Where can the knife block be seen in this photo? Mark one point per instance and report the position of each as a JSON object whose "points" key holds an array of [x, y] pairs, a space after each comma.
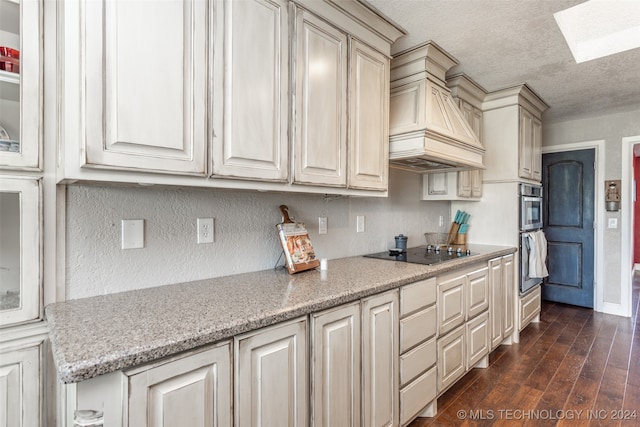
{"points": [[460, 239]]}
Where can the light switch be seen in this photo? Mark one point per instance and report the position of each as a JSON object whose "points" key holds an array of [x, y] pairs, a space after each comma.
{"points": [[132, 233]]}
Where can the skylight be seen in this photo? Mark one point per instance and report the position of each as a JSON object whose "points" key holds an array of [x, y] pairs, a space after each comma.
{"points": [[598, 28]]}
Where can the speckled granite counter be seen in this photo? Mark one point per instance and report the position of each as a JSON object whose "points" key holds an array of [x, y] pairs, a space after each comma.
{"points": [[98, 335]]}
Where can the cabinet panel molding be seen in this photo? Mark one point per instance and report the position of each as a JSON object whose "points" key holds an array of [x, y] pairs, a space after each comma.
{"points": [[250, 96], [126, 123]]}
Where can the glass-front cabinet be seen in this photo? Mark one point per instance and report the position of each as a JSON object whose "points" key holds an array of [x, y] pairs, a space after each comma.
{"points": [[20, 84], [19, 250], [21, 68]]}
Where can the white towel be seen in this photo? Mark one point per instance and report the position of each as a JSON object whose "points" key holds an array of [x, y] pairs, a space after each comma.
{"points": [[537, 254]]}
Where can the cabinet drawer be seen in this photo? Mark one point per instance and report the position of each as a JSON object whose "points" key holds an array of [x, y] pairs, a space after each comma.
{"points": [[416, 361], [417, 395], [417, 295], [417, 328]]}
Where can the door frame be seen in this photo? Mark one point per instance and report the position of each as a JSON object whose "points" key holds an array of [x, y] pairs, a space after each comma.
{"points": [[626, 226], [598, 235]]}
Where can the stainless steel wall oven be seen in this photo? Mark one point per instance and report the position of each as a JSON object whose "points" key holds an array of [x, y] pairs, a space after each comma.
{"points": [[530, 220]]}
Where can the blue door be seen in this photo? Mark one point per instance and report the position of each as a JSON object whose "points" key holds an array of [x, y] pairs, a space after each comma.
{"points": [[568, 208]]}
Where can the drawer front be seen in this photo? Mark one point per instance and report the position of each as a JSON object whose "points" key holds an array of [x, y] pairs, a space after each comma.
{"points": [[417, 295], [415, 362], [417, 328], [417, 395], [451, 306]]}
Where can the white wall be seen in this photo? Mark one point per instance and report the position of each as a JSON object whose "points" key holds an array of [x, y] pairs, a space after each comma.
{"points": [[610, 128], [245, 231]]}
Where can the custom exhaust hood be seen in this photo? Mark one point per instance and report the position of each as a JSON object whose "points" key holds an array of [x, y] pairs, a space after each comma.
{"points": [[427, 130]]}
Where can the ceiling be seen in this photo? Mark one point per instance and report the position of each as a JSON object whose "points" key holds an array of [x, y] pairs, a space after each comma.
{"points": [[502, 43]]}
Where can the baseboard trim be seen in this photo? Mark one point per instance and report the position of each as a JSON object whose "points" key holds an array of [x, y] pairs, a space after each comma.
{"points": [[611, 308]]}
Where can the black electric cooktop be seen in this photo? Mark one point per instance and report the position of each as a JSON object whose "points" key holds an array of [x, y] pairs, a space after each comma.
{"points": [[427, 255]]}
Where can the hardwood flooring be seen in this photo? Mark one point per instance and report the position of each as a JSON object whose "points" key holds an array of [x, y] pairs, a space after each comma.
{"points": [[576, 367]]}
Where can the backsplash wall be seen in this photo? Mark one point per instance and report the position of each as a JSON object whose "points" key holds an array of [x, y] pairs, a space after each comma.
{"points": [[245, 235]]}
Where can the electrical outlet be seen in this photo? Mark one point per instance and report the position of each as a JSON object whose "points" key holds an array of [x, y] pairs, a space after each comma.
{"points": [[322, 225], [205, 230], [132, 233], [613, 222], [360, 224]]}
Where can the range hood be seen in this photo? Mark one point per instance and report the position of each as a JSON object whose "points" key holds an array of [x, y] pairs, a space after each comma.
{"points": [[427, 130]]}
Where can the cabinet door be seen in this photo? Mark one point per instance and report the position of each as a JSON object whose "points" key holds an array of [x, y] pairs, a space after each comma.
{"points": [[20, 401], [368, 118], [320, 146], [451, 308], [536, 138], [271, 376], [525, 152], [20, 280], [478, 343], [145, 85], [476, 183], [193, 391], [508, 290], [477, 297], [21, 93], [251, 89], [464, 184], [451, 358], [497, 301], [380, 357], [335, 367]]}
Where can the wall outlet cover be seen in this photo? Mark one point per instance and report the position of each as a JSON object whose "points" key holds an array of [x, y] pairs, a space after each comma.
{"points": [[132, 233]]}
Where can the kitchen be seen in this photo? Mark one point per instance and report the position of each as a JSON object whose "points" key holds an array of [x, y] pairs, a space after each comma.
{"points": [[94, 263]]}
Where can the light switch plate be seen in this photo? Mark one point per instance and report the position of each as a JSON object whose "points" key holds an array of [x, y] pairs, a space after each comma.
{"points": [[132, 233], [322, 225], [360, 224]]}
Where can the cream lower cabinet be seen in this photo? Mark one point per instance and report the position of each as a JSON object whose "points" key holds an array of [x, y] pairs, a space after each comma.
{"points": [[463, 323], [335, 367], [502, 288], [418, 327], [194, 390], [529, 308], [271, 376], [380, 359], [21, 373]]}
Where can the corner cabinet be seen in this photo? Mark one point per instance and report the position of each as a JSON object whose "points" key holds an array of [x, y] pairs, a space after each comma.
{"points": [[299, 103]]}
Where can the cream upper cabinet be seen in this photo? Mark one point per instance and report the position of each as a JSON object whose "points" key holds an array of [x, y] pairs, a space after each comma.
{"points": [[380, 359], [251, 90], [143, 84], [320, 144], [194, 390], [20, 277], [335, 367], [368, 118], [21, 88], [512, 120], [271, 376]]}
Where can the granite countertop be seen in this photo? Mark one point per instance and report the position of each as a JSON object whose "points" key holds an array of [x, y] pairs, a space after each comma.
{"points": [[98, 335]]}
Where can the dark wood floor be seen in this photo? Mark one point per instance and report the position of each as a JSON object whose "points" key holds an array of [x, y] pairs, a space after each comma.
{"points": [[575, 367]]}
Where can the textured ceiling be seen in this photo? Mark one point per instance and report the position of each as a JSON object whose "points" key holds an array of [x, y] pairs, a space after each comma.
{"points": [[502, 43]]}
